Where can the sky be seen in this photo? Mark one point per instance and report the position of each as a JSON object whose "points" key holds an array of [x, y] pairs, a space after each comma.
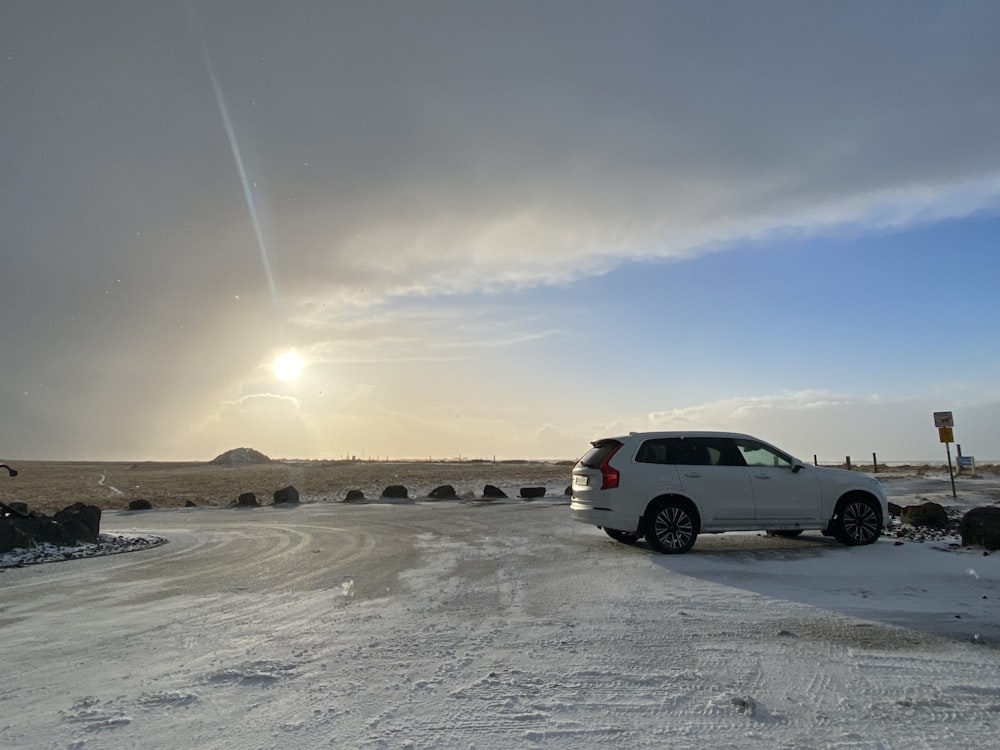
{"points": [[497, 229]]}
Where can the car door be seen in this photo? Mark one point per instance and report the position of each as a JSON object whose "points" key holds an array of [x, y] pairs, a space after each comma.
{"points": [[782, 495], [711, 477]]}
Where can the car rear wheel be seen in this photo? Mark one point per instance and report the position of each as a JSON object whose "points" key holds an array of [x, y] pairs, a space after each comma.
{"points": [[672, 527], [624, 537], [859, 521]]}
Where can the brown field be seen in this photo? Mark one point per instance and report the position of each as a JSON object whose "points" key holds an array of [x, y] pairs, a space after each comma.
{"points": [[48, 486]]}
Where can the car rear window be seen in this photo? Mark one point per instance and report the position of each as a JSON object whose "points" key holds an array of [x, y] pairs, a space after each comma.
{"points": [[597, 454]]}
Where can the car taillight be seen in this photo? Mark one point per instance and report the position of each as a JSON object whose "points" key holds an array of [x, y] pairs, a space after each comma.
{"points": [[609, 474]]}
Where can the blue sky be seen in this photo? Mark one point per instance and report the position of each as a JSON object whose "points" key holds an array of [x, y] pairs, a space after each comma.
{"points": [[497, 228]]}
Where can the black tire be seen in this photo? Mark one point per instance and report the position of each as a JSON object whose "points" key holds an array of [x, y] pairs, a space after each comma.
{"points": [[786, 533], [672, 527], [858, 521], [624, 537]]}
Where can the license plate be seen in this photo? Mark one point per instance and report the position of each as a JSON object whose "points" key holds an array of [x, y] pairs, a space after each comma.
{"points": [[581, 481]]}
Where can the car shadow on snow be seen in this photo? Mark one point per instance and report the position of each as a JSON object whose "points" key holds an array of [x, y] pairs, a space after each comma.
{"points": [[886, 595]]}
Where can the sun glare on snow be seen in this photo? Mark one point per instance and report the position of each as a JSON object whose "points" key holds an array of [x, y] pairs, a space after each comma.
{"points": [[287, 366]]}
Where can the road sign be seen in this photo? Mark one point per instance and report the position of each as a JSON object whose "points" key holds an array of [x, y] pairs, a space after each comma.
{"points": [[946, 434], [943, 419]]}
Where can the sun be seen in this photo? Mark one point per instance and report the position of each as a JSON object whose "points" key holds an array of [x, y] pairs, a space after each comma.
{"points": [[287, 366]]}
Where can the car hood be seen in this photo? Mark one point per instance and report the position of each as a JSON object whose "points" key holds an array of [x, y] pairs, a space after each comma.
{"points": [[849, 478]]}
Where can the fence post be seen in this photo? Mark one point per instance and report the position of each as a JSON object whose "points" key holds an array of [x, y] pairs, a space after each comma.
{"points": [[815, 462], [874, 462], [848, 463]]}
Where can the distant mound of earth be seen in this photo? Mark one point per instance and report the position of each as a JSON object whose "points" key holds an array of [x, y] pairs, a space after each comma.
{"points": [[240, 457]]}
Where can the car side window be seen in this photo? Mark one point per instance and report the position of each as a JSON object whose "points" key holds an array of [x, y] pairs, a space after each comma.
{"points": [[690, 451], [758, 454], [712, 451], [660, 451]]}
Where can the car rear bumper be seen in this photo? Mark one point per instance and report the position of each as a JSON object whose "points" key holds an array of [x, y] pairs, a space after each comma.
{"points": [[603, 517]]}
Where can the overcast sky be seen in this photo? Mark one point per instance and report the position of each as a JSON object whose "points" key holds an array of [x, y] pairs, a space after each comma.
{"points": [[497, 228]]}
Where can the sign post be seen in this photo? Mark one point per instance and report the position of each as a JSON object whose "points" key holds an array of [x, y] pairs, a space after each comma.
{"points": [[945, 424]]}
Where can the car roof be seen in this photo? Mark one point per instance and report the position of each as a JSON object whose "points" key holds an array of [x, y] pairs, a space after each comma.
{"points": [[680, 433]]}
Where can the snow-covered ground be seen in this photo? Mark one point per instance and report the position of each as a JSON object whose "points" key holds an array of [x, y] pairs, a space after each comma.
{"points": [[498, 625]]}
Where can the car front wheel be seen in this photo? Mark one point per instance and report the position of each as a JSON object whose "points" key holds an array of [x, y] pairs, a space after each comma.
{"points": [[672, 527], [859, 521]]}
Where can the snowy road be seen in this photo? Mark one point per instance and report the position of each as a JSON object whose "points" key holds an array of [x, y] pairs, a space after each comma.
{"points": [[448, 625]]}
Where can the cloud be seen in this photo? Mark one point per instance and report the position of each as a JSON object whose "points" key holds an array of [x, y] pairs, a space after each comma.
{"points": [[404, 157], [833, 425]]}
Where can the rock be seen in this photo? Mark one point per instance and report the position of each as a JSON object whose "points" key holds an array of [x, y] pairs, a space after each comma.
{"points": [[925, 514], [745, 704], [76, 524], [240, 457], [88, 516], [395, 491], [247, 500], [139, 504], [190, 504], [568, 491], [354, 496], [895, 510], [981, 527], [529, 492], [445, 491], [286, 495], [492, 491]]}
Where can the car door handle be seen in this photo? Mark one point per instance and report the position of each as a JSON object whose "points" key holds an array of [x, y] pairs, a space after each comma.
{"points": [[692, 474], [761, 476]]}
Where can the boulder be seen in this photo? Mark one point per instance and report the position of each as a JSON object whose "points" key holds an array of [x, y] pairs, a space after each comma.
{"points": [[445, 491], [926, 514], [190, 504], [139, 504], [286, 495], [529, 492], [981, 527], [17, 508], [895, 510], [395, 491], [247, 500], [88, 516], [354, 496], [77, 524], [493, 491]]}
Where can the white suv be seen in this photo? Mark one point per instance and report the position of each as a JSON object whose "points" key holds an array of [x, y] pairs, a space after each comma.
{"points": [[671, 486]]}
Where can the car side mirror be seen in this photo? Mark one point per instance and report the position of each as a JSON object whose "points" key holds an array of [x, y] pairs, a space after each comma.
{"points": [[796, 467]]}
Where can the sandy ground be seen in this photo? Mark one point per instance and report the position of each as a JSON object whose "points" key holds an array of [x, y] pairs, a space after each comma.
{"points": [[49, 486]]}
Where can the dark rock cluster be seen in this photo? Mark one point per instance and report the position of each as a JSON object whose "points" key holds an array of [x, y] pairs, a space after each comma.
{"points": [[931, 522], [21, 528], [445, 492]]}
